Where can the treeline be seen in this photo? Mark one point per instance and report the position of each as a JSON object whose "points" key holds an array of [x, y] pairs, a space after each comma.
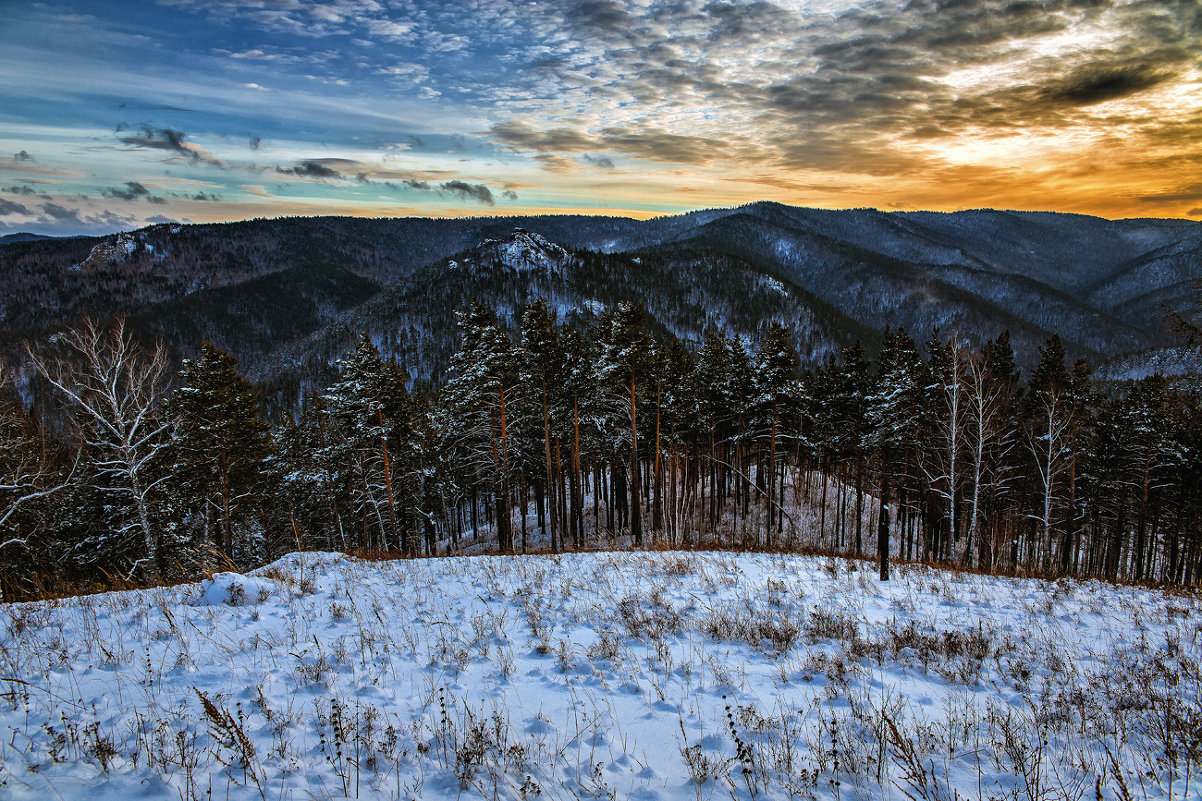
{"points": [[553, 437]]}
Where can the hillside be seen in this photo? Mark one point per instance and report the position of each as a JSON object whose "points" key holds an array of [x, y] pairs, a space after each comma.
{"points": [[1104, 286], [656, 676]]}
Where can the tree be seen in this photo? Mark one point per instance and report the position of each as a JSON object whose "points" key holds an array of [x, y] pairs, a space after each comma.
{"points": [[988, 398], [368, 403], [776, 406], [948, 404], [113, 388], [29, 473], [1048, 418], [895, 410], [220, 445], [626, 358], [542, 367], [477, 408]]}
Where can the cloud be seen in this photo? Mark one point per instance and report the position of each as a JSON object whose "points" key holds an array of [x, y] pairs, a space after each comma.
{"points": [[254, 142], [555, 140], [206, 197], [19, 189], [171, 140], [1195, 212], [477, 192], [480, 193], [318, 169], [1097, 84], [132, 191], [637, 141], [62, 214], [22, 156], [256, 190], [9, 207]]}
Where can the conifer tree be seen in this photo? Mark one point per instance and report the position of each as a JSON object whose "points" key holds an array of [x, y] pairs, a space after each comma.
{"points": [[369, 404], [776, 407], [542, 367], [478, 402], [220, 446], [895, 409], [626, 359]]}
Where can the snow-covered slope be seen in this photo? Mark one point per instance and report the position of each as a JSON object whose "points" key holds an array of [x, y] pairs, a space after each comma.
{"points": [[521, 252], [628, 675]]}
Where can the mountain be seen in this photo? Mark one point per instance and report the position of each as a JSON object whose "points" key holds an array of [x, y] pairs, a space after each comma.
{"points": [[23, 236], [288, 295]]}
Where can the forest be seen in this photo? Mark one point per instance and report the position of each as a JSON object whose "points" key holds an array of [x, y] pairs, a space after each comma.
{"points": [[557, 437]]}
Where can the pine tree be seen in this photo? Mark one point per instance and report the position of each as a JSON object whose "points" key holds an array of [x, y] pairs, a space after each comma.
{"points": [[542, 368], [477, 409], [776, 407], [369, 405], [625, 360], [895, 409], [220, 445]]}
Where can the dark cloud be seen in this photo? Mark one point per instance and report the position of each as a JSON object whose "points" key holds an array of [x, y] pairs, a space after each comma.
{"points": [[318, 169], [22, 156], [157, 138], [254, 142], [601, 162], [208, 197], [170, 140], [467, 191], [19, 189], [9, 207], [1195, 212], [131, 191], [477, 192], [509, 194], [1098, 84], [61, 214]]}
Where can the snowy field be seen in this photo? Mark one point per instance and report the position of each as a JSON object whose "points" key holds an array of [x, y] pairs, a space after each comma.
{"points": [[612, 675]]}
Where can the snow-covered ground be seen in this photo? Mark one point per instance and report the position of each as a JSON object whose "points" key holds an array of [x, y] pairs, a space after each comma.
{"points": [[609, 675]]}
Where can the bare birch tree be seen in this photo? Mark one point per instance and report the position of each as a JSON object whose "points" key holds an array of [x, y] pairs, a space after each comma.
{"points": [[113, 387]]}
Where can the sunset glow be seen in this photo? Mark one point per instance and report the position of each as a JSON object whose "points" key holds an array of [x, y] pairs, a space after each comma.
{"points": [[116, 115]]}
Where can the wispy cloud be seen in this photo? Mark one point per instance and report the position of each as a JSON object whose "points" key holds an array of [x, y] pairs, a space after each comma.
{"points": [[171, 140]]}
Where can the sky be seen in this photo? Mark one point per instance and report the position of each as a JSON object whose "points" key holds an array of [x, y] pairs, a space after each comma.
{"points": [[119, 114]]}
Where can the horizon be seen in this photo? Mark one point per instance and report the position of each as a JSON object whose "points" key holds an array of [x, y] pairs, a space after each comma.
{"points": [[586, 213], [119, 116]]}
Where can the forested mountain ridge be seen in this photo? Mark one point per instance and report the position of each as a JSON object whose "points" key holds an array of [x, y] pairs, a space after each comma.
{"points": [[686, 291], [286, 295]]}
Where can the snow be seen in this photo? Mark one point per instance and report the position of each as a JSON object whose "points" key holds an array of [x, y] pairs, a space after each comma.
{"points": [[523, 251], [232, 589], [774, 285], [644, 675]]}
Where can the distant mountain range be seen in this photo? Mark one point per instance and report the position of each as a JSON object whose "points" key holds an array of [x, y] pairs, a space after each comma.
{"points": [[288, 295]]}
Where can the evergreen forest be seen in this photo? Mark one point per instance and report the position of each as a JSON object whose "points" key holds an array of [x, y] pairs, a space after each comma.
{"points": [[547, 436]]}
